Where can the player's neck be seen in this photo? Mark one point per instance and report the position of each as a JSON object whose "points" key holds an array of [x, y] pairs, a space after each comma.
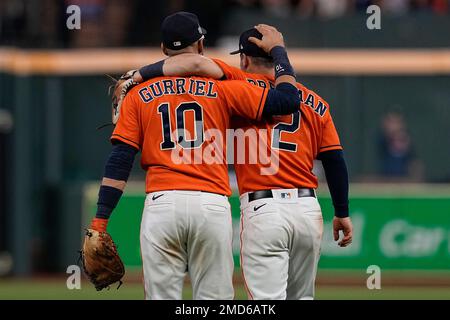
{"points": [[261, 70], [189, 49]]}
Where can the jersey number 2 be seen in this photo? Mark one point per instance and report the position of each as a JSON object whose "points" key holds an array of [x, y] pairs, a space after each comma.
{"points": [[281, 127], [196, 141]]}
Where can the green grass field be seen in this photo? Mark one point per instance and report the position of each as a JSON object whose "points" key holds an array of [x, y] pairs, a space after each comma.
{"points": [[55, 289]]}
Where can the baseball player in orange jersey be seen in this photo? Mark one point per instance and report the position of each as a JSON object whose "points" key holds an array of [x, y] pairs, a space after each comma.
{"points": [[186, 223], [281, 220]]}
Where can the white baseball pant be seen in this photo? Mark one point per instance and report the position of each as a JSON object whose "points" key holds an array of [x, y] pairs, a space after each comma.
{"points": [[280, 245], [187, 232]]}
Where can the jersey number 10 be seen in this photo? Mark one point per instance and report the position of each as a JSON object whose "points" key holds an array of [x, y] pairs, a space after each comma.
{"points": [[168, 143]]}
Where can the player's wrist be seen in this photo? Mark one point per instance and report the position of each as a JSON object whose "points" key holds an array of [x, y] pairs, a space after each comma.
{"points": [[276, 50], [281, 62], [137, 77], [99, 224], [341, 211], [153, 70], [275, 47]]}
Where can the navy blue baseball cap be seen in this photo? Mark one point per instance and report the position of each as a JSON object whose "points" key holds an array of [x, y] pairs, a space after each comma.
{"points": [[249, 48], [180, 30]]}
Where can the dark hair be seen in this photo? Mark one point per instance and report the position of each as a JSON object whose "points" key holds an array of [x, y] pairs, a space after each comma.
{"points": [[263, 62]]}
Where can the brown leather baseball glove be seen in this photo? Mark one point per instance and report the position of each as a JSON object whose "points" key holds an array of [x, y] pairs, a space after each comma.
{"points": [[100, 259], [120, 89]]}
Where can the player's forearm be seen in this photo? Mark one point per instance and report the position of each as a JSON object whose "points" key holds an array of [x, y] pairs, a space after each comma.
{"points": [[272, 43], [189, 64], [337, 179], [109, 195], [284, 99], [117, 170], [185, 64], [284, 72]]}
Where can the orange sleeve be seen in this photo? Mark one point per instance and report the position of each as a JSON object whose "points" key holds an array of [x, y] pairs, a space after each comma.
{"points": [[244, 99], [330, 137], [127, 128], [231, 73]]}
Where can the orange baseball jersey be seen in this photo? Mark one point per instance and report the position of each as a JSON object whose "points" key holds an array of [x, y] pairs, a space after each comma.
{"points": [[292, 142], [179, 125]]}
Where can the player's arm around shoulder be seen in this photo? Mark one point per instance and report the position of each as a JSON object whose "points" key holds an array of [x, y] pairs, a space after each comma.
{"points": [[230, 72], [189, 64], [183, 65]]}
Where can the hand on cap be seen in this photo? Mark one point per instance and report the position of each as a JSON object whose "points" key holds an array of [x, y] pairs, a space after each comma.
{"points": [[271, 38]]}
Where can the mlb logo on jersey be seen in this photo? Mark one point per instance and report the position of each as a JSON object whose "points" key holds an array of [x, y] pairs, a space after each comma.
{"points": [[286, 195]]}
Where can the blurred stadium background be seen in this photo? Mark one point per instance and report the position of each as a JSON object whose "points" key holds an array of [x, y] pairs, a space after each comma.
{"points": [[389, 92]]}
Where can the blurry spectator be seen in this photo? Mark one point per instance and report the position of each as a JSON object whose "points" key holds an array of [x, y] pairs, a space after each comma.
{"points": [[211, 15], [438, 6], [361, 5], [50, 13], [421, 6], [118, 16], [245, 3], [430, 6], [41, 23], [305, 8], [12, 21], [176, 5], [103, 23], [441, 6], [395, 7], [92, 23], [280, 8], [146, 21], [331, 8], [397, 157]]}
